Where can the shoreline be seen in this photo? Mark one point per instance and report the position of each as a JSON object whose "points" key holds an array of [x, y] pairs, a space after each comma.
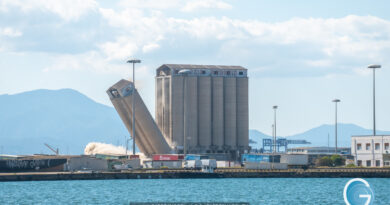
{"points": [[189, 174]]}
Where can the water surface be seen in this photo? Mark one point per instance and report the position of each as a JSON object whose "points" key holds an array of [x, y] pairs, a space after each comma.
{"points": [[255, 191]]}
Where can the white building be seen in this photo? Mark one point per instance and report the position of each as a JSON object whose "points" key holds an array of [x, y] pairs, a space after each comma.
{"points": [[371, 151]]}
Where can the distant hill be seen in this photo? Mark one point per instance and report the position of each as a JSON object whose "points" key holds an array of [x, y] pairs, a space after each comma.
{"points": [[318, 136], [70, 120], [62, 118]]}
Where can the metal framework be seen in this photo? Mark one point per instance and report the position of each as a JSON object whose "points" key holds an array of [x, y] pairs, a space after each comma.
{"points": [[280, 142]]}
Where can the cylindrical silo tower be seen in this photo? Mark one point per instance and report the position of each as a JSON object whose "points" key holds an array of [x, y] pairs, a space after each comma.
{"points": [[242, 113], [204, 112], [192, 112], [230, 105], [146, 130], [218, 112]]}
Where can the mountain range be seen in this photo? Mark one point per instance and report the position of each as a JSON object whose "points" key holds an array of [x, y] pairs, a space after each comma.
{"points": [[68, 120]]}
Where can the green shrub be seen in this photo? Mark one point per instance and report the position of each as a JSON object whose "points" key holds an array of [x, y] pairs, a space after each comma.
{"points": [[325, 161], [337, 160]]}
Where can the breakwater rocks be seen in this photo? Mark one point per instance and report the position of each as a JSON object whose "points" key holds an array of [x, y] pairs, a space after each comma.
{"points": [[219, 173]]}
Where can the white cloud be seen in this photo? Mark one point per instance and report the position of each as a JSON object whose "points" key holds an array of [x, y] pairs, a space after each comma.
{"points": [[123, 47], [10, 32], [150, 4], [150, 47], [205, 4], [91, 61], [67, 9]]}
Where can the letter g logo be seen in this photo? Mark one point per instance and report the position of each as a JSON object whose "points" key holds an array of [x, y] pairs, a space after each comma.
{"points": [[358, 192]]}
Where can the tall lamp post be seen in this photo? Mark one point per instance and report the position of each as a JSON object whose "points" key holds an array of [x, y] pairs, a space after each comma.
{"points": [[335, 125], [373, 67], [274, 107], [133, 61], [185, 73], [274, 132]]}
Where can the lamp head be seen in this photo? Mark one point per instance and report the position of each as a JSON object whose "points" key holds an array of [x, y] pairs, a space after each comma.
{"points": [[134, 60], [373, 66]]}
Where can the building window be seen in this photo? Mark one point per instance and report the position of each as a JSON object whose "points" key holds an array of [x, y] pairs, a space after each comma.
{"points": [[386, 146], [377, 146], [228, 73], [359, 163], [377, 163], [215, 72], [387, 163], [368, 163], [359, 146], [203, 72], [368, 146], [241, 73]]}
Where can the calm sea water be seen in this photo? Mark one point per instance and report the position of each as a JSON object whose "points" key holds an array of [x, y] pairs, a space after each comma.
{"points": [[255, 191]]}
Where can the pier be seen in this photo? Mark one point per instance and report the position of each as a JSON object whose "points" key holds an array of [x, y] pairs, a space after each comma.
{"points": [[182, 174]]}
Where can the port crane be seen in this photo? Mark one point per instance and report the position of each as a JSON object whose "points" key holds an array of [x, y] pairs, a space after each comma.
{"points": [[56, 151]]}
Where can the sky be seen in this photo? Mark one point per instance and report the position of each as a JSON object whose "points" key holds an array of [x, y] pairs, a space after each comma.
{"points": [[300, 55]]}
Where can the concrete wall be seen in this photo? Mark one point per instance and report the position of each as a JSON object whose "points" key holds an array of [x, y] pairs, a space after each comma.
{"points": [[258, 165], [86, 162]]}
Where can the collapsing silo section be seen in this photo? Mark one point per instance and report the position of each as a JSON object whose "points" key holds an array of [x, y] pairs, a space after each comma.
{"points": [[148, 136]]}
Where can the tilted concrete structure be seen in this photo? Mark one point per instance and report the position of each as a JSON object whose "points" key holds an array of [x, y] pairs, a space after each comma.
{"points": [[148, 138], [216, 108]]}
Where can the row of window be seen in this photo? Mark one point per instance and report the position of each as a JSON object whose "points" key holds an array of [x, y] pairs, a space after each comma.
{"points": [[203, 72], [368, 163], [368, 146]]}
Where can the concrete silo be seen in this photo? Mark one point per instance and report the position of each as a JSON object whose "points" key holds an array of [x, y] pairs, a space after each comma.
{"points": [[230, 105], [216, 108], [149, 139], [218, 113]]}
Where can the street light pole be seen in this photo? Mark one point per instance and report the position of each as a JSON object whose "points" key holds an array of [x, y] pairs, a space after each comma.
{"points": [[335, 130], [274, 140], [373, 67], [133, 61], [275, 107], [185, 73]]}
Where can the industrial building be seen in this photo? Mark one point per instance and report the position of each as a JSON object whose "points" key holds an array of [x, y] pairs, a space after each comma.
{"points": [[315, 153], [208, 104], [371, 151]]}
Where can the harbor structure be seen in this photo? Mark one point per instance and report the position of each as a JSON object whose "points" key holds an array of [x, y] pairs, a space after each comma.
{"points": [[205, 109], [371, 151]]}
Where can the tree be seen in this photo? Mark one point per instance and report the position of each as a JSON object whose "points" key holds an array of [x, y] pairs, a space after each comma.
{"points": [[337, 160], [324, 161]]}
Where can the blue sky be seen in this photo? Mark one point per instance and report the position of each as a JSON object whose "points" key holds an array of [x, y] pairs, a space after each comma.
{"points": [[300, 54]]}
